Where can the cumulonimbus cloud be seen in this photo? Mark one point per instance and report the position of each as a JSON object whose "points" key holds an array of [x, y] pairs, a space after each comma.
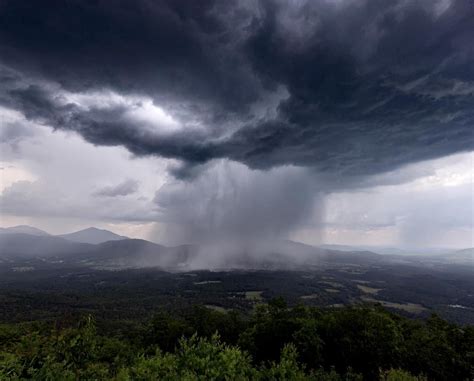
{"points": [[367, 86]]}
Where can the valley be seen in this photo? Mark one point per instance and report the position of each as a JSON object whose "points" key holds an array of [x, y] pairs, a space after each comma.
{"points": [[48, 277], [35, 289]]}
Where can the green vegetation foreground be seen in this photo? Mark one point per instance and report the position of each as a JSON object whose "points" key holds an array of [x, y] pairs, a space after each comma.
{"points": [[273, 343]]}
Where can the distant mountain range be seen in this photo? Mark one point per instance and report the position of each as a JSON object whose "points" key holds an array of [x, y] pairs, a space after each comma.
{"points": [[90, 247], [27, 245], [93, 236], [90, 235], [24, 229], [99, 248], [387, 250], [460, 256]]}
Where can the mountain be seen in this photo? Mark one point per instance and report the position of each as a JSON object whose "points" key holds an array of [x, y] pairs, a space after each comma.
{"points": [[120, 252], [27, 246], [279, 254], [93, 236], [23, 229], [465, 256], [307, 254], [137, 253], [386, 250]]}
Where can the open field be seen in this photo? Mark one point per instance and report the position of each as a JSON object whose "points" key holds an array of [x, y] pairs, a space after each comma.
{"points": [[407, 307], [253, 295], [368, 290]]}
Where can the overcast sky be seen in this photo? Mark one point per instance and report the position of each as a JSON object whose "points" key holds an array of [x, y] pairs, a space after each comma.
{"points": [[337, 121]]}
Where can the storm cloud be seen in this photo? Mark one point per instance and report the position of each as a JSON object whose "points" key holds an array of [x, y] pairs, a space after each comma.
{"points": [[346, 88]]}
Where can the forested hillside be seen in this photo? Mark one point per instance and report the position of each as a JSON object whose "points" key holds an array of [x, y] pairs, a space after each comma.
{"points": [[274, 342]]}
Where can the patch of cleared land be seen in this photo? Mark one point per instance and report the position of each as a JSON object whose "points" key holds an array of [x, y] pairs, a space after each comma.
{"points": [[368, 290], [253, 295], [216, 308], [368, 281], [458, 306], [208, 282], [311, 296], [330, 283], [408, 307], [23, 269]]}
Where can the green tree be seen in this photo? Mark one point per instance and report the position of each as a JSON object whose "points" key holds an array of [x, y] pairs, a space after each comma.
{"points": [[195, 359]]}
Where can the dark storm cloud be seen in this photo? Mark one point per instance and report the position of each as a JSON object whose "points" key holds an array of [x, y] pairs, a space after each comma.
{"points": [[371, 85], [107, 127], [125, 188], [171, 50]]}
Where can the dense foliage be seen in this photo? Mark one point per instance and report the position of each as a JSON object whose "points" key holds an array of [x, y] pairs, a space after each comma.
{"points": [[273, 343]]}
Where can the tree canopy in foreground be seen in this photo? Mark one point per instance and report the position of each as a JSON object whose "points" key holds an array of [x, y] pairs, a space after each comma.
{"points": [[273, 343]]}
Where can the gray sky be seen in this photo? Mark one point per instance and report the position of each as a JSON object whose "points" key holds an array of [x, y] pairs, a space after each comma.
{"points": [[324, 121]]}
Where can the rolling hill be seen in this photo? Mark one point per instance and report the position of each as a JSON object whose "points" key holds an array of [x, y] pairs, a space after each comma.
{"points": [[27, 245], [23, 229]]}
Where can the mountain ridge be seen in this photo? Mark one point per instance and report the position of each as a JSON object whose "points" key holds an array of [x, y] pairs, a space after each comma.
{"points": [[92, 235], [24, 229], [121, 252], [28, 245]]}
